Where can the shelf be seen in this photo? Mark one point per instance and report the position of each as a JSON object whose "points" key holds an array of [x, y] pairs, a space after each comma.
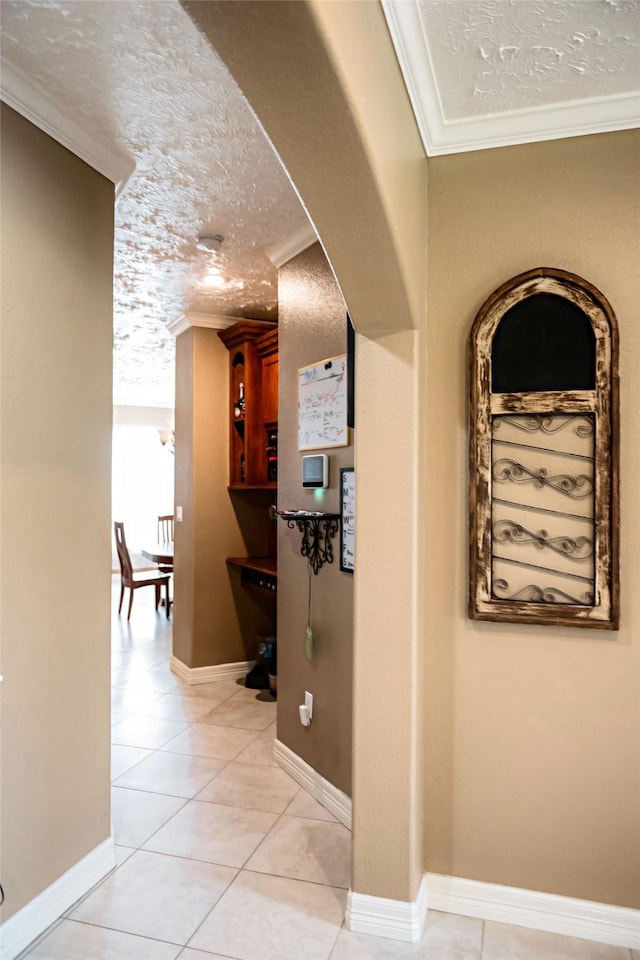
{"points": [[317, 529], [257, 571], [268, 485]]}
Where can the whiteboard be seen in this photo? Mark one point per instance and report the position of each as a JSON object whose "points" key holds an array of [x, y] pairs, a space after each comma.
{"points": [[322, 404]]}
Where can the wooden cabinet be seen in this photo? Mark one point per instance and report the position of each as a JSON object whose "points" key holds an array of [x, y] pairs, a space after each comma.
{"points": [[253, 404]]}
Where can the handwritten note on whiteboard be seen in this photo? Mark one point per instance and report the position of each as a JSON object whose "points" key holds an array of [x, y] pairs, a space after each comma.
{"points": [[322, 404]]}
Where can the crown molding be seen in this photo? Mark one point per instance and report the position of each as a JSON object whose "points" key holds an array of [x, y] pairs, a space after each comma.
{"points": [[291, 246], [29, 101], [575, 118], [209, 320], [579, 118]]}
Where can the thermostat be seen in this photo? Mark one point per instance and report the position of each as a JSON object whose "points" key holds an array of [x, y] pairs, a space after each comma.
{"points": [[315, 470]]}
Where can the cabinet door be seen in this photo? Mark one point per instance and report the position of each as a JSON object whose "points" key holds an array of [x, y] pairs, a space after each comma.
{"points": [[270, 389]]}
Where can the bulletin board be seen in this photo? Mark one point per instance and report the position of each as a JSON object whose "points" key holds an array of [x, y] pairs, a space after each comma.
{"points": [[322, 404]]}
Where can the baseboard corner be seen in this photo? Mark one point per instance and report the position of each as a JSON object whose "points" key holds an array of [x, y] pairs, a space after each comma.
{"points": [[210, 674], [393, 919]]}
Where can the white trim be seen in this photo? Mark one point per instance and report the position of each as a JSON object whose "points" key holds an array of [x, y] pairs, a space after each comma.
{"points": [[575, 118], [291, 246], [209, 320], [334, 800], [585, 919], [393, 919], [219, 671], [29, 101], [27, 924]]}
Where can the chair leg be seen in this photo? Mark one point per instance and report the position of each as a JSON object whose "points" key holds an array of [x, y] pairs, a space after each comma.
{"points": [[166, 593], [121, 596], [157, 586], [130, 602]]}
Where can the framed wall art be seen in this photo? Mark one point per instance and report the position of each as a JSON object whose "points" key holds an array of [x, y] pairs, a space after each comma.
{"points": [[543, 500]]}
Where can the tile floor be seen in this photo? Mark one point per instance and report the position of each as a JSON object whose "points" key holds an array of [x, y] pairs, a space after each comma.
{"points": [[220, 854]]}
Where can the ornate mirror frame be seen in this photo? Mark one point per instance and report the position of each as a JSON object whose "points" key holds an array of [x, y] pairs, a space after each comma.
{"points": [[552, 561]]}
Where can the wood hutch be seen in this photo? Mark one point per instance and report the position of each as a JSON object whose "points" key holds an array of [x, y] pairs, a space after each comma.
{"points": [[253, 431]]}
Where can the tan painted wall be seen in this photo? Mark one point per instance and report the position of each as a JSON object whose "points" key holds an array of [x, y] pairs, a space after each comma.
{"points": [[215, 620], [312, 325], [56, 289], [533, 748]]}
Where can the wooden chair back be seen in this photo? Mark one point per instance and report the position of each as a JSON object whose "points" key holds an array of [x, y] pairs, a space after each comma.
{"points": [[165, 528], [126, 568]]}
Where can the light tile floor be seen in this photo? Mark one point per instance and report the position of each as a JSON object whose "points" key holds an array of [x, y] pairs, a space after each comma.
{"points": [[221, 856]]}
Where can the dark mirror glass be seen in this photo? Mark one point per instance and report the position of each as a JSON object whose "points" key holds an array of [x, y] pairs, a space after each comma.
{"points": [[543, 343]]}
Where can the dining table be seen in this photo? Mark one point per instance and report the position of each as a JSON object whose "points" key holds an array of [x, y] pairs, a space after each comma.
{"points": [[160, 553]]}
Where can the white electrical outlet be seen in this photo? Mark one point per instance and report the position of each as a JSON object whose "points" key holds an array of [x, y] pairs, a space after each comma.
{"points": [[304, 715], [306, 709]]}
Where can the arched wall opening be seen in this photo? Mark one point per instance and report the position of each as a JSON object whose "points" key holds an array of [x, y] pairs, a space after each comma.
{"points": [[336, 110]]}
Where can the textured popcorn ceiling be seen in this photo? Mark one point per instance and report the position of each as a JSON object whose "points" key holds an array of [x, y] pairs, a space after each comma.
{"points": [[139, 75], [497, 55]]}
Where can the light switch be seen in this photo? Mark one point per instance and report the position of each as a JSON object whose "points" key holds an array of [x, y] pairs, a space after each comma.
{"points": [[179, 514]]}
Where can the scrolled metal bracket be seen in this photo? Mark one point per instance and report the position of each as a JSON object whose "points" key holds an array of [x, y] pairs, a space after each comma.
{"points": [[318, 530]]}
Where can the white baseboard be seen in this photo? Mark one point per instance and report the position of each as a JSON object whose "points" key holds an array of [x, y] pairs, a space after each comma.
{"points": [[219, 671], [393, 919], [588, 920], [334, 800], [27, 924]]}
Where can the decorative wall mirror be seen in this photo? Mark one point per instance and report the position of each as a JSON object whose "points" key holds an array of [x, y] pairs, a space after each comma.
{"points": [[544, 454]]}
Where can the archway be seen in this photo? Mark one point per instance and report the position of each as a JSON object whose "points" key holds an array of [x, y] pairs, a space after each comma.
{"points": [[337, 112]]}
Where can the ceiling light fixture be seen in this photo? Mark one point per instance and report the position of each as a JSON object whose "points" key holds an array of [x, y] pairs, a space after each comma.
{"points": [[215, 279], [210, 242]]}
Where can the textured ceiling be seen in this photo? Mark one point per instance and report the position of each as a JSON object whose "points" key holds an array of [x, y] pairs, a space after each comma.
{"points": [[488, 73], [141, 76], [516, 54]]}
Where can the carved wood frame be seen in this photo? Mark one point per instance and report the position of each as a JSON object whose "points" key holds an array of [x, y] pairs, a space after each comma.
{"points": [[602, 402]]}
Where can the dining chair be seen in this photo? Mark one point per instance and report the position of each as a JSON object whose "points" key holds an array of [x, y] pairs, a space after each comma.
{"points": [[165, 528], [133, 580], [165, 535]]}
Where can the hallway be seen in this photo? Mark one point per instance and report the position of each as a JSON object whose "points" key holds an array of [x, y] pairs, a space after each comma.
{"points": [[220, 853]]}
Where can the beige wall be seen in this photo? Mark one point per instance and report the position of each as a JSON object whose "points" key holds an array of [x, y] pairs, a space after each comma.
{"points": [[215, 619], [56, 288], [533, 747], [312, 325]]}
